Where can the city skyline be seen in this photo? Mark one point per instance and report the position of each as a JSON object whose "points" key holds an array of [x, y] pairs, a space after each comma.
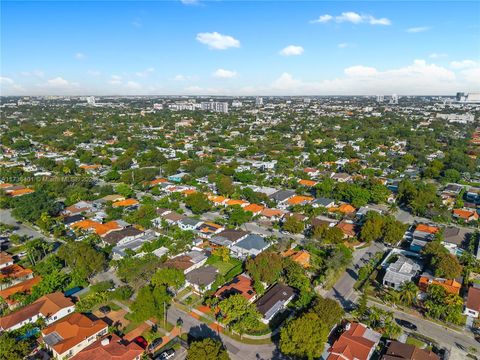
{"points": [[236, 48]]}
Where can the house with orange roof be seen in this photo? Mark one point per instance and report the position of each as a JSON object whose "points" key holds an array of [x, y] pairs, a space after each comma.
{"points": [[20, 192], [125, 203], [466, 215], [357, 342], [69, 336], [158, 181], [301, 257], [254, 209], [51, 307], [218, 200], [348, 228], [208, 229], [300, 200], [233, 202], [343, 208], [187, 192], [241, 284], [24, 287], [272, 214], [96, 227], [110, 347], [450, 285], [13, 274], [307, 183]]}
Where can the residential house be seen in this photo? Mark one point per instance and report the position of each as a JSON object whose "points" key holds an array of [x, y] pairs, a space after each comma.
{"points": [[241, 284], [472, 305], [5, 260], [79, 207], [177, 177], [307, 183], [341, 177], [301, 257], [455, 239], [401, 271], [123, 235], [323, 202], [272, 214], [345, 209], [251, 245], [51, 307], [188, 223], [255, 209], [348, 228], [452, 286], [69, 336], [101, 229], [422, 235], [187, 262], [209, 229], [133, 243], [127, 204], [357, 342], [274, 300], [13, 274], [299, 200], [202, 278], [473, 194], [400, 351], [465, 214], [24, 287], [282, 196], [111, 347], [228, 237]]}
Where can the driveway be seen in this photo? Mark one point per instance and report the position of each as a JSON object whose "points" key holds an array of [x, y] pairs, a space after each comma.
{"points": [[23, 229]]}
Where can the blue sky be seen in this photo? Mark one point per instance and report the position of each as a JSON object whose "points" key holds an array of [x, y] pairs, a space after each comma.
{"points": [[239, 47]]}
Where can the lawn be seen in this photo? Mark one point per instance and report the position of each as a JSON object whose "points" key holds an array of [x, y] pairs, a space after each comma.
{"points": [[223, 266], [415, 342]]}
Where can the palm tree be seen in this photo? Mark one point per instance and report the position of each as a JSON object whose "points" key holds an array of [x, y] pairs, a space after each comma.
{"points": [[408, 293], [392, 207]]}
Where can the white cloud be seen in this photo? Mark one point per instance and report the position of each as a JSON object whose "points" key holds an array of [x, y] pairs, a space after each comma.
{"points": [[115, 80], [133, 85], [360, 71], [344, 45], [291, 50], [57, 82], [354, 18], [80, 56], [145, 73], [33, 73], [418, 29], [419, 77], [224, 74], [218, 41], [437, 55], [6, 80], [464, 64], [322, 19]]}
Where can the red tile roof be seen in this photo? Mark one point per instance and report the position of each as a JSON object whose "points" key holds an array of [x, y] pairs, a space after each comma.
{"points": [[351, 344], [114, 350]]}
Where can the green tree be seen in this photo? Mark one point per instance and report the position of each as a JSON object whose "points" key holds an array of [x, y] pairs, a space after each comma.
{"points": [[292, 225], [82, 258], [238, 216], [408, 293], [239, 313], [207, 349], [198, 203], [11, 348], [266, 267], [372, 228], [150, 302], [169, 277]]}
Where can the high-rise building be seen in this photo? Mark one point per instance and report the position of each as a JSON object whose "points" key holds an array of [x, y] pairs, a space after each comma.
{"points": [[215, 106], [259, 101], [91, 100], [236, 103], [394, 99], [380, 98]]}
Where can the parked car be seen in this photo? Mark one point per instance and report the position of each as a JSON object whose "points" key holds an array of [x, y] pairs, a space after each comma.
{"points": [[168, 354], [406, 324], [154, 344], [140, 340]]}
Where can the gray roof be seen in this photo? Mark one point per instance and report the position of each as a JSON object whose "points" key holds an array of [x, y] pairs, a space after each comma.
{"points": [[401, 270], [202, 276], [190, 221], [220, 240], [232, 235], [274, 299], [282, 195], [323, 201], [454, 235], [252, 241]]}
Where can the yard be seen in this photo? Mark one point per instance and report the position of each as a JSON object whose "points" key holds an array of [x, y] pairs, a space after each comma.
{"points": [[224, 267]]}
